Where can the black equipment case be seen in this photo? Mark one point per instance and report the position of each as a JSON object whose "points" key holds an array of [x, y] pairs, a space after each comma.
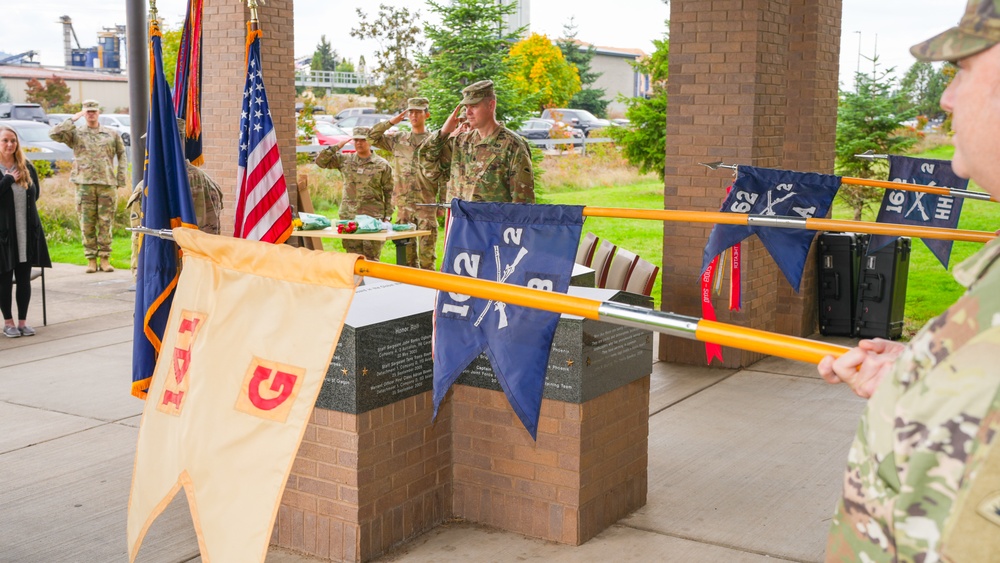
{"points": [[839, 259], [881, 295]]}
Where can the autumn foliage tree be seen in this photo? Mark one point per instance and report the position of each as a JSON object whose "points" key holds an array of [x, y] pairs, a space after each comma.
{"points": [[53, 94], [539, 69]]}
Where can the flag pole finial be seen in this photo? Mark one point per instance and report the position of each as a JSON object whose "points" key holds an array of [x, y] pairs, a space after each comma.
{"points": [[253, 5], [153, 14]]}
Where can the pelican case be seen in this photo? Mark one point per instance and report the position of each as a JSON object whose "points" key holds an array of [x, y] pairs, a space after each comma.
{"points": [[839, 259], [882, 290]]}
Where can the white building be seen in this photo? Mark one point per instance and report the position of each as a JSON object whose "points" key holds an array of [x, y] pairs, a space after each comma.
{"points": [[109, 89]]}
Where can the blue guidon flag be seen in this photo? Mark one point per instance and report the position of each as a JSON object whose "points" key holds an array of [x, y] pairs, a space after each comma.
{"points": [[782, 193], [520, 244], [166, 204], [922, 209]]}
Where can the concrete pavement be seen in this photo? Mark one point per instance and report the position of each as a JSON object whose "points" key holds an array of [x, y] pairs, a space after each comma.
{"points": [[743, 465]]}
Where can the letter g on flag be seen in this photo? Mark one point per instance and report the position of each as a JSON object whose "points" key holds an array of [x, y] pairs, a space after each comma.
{"points": [[269, 389]]}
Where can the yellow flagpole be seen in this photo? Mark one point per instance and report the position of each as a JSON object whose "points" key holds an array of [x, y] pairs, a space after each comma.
{"points": [[921, 188], [719, 217]]}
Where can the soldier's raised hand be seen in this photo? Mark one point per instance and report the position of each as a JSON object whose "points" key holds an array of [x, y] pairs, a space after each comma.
{"points": [[451, 123]]}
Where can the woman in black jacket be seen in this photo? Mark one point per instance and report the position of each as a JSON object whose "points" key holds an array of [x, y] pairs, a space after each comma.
{"points": [[22, 240]]}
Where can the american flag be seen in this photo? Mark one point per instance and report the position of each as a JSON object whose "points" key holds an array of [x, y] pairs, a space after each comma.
{"points": [[262, 211]]}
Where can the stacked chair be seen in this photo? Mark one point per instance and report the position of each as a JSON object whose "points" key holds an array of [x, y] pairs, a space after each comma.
{"points": [[616, 268]]}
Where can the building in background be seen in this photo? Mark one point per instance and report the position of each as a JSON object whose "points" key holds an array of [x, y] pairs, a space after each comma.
{"points": [[110, 89], [520, 18]]}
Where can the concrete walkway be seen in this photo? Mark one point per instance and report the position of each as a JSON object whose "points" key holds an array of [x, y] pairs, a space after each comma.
{"points": [[743, 465]]}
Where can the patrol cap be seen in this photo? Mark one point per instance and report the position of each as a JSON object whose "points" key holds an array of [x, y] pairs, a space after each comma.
{"points": [[418, 104], [475, 93], [979, 30], [360, 133], [91, 105]]}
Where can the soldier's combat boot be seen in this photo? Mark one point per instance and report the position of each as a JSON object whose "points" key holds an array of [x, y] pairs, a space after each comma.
{"points": [[91, 265], [106, 266]]}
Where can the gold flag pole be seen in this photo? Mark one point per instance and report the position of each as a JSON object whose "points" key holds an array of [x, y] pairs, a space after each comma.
{"points": [[920, 188], [691, 328]]}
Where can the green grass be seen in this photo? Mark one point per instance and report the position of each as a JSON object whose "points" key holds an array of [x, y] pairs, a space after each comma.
{"points": [[72, 252]]}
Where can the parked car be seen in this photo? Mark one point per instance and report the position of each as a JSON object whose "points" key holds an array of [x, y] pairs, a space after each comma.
{"points": [[57, 118], [352, 112], [327, 135], [537, 128], [621, 122], [580, 118], [36, 142], [366, 120], [26, 112], [119, 122]]}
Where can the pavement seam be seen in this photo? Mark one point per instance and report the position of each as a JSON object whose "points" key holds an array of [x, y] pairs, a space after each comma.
{"points": [[100, 424], [692, 394], [65, 353], [716, 544]]}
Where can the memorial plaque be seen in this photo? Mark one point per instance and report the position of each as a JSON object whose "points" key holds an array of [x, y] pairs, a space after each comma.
{"points": [[384, 352], [583, 276], [588, 358]]}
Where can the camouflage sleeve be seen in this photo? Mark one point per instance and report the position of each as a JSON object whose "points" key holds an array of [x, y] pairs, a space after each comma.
{"points": [[196, 179], [387, 192], [64, 133], [134, 206], [378, 138], [436, 148], [122, 161], [520, 178], [329, 157]]}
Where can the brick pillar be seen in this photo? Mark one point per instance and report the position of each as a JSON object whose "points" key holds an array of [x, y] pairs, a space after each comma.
{"points": [[810, 130], [738, 70], [223, 75]]}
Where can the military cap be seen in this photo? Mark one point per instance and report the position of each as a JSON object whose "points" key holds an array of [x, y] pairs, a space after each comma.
{"points": [[475, 93], [979, 30], [417, 103], [360, 132], [91, 105]]}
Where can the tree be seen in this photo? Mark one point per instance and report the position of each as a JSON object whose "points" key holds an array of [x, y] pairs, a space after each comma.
{"points": [[468, 46], [590, 99], [644, 141], [397, 33], [4, 93], [539, 70], [171, 45], [345, 66], [54, 93], [324, 57], [868, 119], [923, 85]]}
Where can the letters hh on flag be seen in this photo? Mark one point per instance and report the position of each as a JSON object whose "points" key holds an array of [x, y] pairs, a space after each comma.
{"points": [[515, 243], [166, 204], [921, 209], [782, 193], [235, 385], [263, 211]]}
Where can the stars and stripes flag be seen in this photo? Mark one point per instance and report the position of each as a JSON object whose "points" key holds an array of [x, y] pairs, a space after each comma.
{"points": [[263, 211]]}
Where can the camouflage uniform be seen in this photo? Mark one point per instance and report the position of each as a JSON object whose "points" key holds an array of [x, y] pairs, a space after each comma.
{"points": [[367, 191], [412, 187], [207, 197], [497, 168], [923, 475], [94, 151], [911, 469]]}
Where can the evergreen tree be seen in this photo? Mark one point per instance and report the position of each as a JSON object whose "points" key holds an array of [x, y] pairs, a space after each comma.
{"points": [[324, 57], [590, 99], [398, 35], [644, 141], [470, 45], [868, 119], [4, 93], [923, 85]]}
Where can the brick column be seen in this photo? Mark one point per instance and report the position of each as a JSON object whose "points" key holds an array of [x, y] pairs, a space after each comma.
{"points": [[738, 70], [223, 75]]}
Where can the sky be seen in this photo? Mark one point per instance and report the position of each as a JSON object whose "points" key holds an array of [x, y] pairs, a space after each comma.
{"points": [[885, 27]]}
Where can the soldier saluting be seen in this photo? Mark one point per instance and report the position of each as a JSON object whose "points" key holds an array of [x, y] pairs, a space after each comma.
{"points": [[487, 162], [412, 187]]}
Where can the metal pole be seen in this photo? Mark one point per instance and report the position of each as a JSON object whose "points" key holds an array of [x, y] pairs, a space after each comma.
{"points": [[136, 44]]}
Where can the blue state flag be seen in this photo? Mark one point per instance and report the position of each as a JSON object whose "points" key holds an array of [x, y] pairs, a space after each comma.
{"points": [[527, 245], [768, 192], [917, 208], [166, 204]]}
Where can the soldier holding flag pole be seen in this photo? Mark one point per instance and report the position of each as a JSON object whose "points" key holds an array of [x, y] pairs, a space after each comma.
{"points": [[923, 476]]}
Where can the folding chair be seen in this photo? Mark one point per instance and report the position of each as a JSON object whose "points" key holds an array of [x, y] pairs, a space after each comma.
{"points": [[618, 272], [585, 254], [40, 273], [602, 260], [642, 278]]}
